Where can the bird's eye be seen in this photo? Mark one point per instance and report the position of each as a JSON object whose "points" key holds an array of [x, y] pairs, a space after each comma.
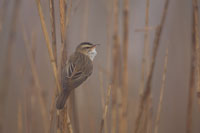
{"points": [[87, 47]]}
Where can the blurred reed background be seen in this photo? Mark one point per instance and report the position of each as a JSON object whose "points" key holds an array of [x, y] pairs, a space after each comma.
{"points": [[146, 76]]}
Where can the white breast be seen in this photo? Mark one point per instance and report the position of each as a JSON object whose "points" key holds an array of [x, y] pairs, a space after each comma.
{"points": [[92, 54]]}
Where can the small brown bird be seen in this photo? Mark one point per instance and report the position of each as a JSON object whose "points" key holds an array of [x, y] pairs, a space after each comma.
{"points": [[76, 70]]}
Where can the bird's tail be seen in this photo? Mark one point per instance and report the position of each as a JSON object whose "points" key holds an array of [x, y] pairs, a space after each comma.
{"points": [[62, 98]]}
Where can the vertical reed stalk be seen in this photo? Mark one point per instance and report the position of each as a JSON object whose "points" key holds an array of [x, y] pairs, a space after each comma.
{"points": [[102, 99], [101, 87], [196, 37], [5, 83], [52, 112], [53, 29], [62, 31], [62, 116], [27, 122], [69, 125], [74, 111], [145, 67], [161, 93], [147, 116], [19, 117], [65, 111], [146, 38], [105, 109], [123, 114], [109, 32], [116, 56], [191, 80], [150, 116], [109, 17], [145, 64], [147, 90], [69, 7]]}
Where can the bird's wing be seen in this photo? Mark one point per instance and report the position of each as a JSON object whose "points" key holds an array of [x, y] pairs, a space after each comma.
{"points": [[75, 72], [72, 71], [72, 76]]}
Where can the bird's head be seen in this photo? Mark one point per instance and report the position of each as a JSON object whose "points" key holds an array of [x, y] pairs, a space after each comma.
{"points": [[88, 49]]}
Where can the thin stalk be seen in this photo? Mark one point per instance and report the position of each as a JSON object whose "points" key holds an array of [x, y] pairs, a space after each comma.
{"points": [[102, 98], [196, 35], [145, 68], [192, 80], [109, 32], [26, 103], [5, 83], [161, 93], [20, 118], [62, 31], [109, 17], [123, 113], [53, 31], [69, 7], [74, 112], [73, 105], [150, 116], [52, 112], [145, 59], [53, 28], [146, 38], [69, 125], [66, 121], [105, 109], [62, 115], [147, 117], [115, 71]]}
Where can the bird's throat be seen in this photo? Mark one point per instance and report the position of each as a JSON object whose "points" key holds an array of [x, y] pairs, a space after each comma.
{"points": [[92, 54]]}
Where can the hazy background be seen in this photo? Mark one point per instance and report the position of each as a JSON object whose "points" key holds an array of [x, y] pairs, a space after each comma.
{"points": [[91, 20]]}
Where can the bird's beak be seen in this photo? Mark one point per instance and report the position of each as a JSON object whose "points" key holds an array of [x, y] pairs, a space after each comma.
{"points": [[94, 46], [97, 44]]}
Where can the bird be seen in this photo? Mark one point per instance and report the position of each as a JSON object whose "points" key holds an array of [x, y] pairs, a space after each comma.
{"points": [[76, 70]]}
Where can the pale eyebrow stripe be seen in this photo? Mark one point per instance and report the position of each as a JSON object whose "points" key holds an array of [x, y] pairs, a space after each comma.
{"points": [[86, 45]]}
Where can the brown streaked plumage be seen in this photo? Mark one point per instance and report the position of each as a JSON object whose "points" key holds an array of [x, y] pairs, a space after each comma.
{"points": [[76, 70]]}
